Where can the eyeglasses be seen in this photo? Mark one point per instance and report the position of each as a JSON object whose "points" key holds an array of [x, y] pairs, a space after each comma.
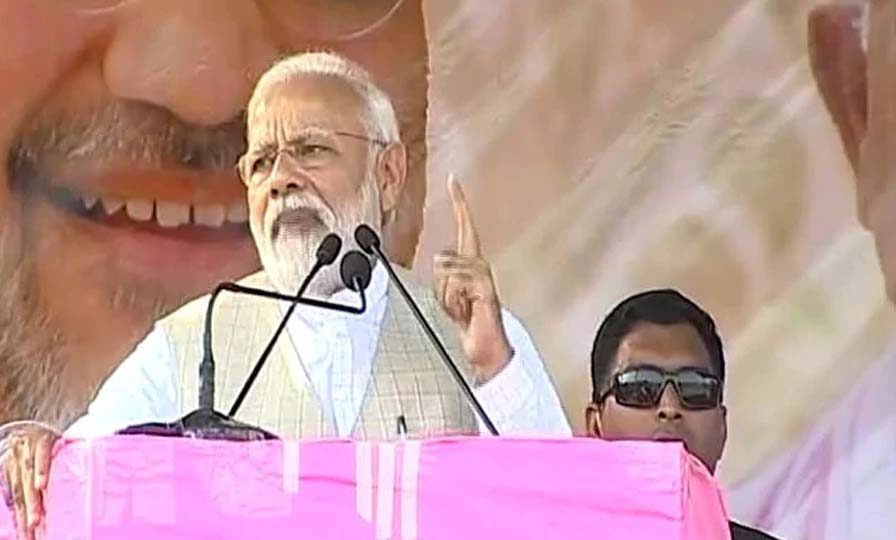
{"points": [[302, 19], [642, 387], [315, 149]]}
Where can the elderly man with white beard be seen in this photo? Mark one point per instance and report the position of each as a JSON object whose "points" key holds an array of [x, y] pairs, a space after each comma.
{"points": [[324, 155]]}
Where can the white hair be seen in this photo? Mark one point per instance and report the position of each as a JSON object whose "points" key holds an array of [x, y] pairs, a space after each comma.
{"points": [[379, 119]]}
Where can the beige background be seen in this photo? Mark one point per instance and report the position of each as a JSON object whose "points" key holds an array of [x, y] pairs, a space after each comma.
{"points": [[610, 146]]}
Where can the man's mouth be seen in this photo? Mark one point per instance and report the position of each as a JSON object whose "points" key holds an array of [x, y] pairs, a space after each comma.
{"points": [[297, 221], [161, 215], [669, 436], [178, 231]]}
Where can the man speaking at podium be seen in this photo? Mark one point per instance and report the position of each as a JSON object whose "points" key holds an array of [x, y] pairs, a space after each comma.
{"points": [[324, 156]]}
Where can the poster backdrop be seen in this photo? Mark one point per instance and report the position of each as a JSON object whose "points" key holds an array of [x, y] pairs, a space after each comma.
{"points": [[605, 147], [611, 147]]}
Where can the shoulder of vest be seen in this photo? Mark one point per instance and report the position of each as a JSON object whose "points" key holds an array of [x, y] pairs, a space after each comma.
{"points": [[413, 284], [258, 279], [194, 310], [426, 300]]}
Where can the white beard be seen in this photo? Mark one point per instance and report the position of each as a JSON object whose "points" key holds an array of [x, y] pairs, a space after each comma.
{"points": [[289, 256], [34, 385]]}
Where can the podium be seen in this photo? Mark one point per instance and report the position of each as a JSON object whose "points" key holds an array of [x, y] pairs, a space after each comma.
{"points": [[154, 488]]}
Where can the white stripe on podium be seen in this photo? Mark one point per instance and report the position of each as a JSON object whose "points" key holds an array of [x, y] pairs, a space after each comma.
{"points": [[385, 491], [410, 467], [90, 485], [291, 466], [364, 480]]}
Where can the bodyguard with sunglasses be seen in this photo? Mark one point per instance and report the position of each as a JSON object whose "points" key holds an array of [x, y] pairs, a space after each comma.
{"points": [[657, 373]]}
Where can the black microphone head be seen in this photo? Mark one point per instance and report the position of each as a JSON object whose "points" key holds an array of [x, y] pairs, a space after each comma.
{"points": [[366, 238], [355, 270], [329, 249]]}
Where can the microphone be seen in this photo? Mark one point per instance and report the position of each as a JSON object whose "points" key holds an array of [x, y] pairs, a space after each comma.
{"points": [[355, 271], [368, 240]]}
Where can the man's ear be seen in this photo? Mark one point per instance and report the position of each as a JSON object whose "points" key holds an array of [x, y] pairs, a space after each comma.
{"points": [[724, 426], [592, 420], [839, 66], [391, 175]]}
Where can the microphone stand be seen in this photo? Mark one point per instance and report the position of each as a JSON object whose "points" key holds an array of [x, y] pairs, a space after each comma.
{"points": [[207, 423], [207, 366], [355, 271], [295, 301]]}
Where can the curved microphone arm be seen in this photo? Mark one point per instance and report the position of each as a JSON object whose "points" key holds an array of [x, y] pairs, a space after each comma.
{"points": [[207, 366], [355, 272]]}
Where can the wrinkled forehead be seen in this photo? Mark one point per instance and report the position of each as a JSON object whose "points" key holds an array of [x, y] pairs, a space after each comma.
{"points": [[305, 104]]}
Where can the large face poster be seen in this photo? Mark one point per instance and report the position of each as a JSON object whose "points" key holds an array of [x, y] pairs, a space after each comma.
{"points": [[120, 134], [736, 150]]}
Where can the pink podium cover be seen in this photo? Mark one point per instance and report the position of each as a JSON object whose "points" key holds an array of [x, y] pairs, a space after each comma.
{"points": [[148, 488]]}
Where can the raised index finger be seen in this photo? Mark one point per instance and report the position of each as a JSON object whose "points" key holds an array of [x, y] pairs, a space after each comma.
{"points": [[467, 235]]}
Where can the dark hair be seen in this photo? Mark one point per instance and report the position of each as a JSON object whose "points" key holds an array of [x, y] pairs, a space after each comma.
{"points": [[664, 307]]}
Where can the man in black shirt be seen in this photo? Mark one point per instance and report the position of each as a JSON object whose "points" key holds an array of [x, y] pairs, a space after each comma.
{"points": [[657, 372]]}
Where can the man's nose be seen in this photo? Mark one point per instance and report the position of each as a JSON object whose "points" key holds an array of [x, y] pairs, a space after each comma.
{"points": [[197, 58], [283, 181], [669, 409]]}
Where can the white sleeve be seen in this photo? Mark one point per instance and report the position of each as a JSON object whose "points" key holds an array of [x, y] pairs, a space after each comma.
{"points": [[520, 399], [143, 388]]}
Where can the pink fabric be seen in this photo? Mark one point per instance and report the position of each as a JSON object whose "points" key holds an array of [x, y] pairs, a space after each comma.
{"points": [[142, 488]]}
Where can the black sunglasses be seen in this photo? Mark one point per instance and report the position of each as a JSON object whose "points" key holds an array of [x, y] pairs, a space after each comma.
{"points": [[642, 386]]}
